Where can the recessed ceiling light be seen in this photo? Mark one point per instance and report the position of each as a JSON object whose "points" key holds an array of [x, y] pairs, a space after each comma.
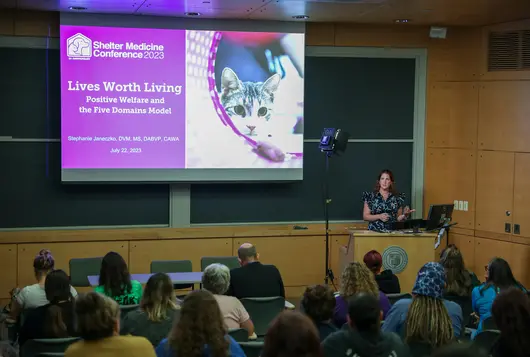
{"points": [[193, 14], [300, 17], [401, 21], [77, 8]]}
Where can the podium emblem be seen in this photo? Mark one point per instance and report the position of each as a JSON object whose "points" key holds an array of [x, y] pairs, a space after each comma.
{"points": [[395, 258]]}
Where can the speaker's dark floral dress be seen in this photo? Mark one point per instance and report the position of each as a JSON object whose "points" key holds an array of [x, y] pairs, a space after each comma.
{"points": [[379, 205]]}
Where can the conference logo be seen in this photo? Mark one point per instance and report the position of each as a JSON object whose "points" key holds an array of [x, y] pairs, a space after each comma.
{"points": [[395, 258], [79, 47]]}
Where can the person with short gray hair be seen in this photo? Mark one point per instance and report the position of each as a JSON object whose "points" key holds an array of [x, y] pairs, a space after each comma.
{"points": [[216, 279]]}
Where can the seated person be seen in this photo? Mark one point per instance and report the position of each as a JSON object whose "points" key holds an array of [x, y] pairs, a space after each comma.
{"points": [[98, 325], [216, 279], [387, 281], [511, 311], [318, 303], [432, 319], [55, 319], [115, 281], [158, 309], [291, 334], [33, 296], [357, 278], [499, 277], [459, 280], [254, 279], [200, 331], [362, 336]]}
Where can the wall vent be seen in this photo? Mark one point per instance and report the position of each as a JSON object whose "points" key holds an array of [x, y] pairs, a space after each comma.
{"points": [[509, 51]]}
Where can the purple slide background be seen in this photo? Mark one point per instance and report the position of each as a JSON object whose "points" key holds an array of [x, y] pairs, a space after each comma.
{"points": [[170, 70]]}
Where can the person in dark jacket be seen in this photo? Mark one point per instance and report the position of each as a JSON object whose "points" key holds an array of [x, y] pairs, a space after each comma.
{"points": [[362, 335], [254, 279], [388, 282]]}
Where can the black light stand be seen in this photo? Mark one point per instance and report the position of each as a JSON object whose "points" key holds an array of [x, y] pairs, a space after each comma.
{"points": [[333, 141]]}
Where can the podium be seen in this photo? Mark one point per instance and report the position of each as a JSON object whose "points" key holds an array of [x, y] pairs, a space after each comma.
{"points": [[403, 253]]}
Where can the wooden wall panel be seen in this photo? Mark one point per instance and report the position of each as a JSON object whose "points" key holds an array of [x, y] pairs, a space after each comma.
{"points": [[8, 270], [450, 175], [466, 244], [144, 252], [520, 263], [301, 260], [504, 110], [336, 241], [320, 34], [487, 249], [495, 172], [63, 252], [521, 190], [452, 115], [7, 22]]}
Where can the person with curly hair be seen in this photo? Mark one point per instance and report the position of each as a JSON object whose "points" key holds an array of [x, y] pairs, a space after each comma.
{"points": [[426, 319], [355, 279], [200, 331], [318, 303], [511, 312], [291, 334]]}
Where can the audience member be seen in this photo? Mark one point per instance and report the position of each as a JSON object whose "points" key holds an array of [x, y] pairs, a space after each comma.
{"points": [[459, 280], [33, 296], [200, 331], [357, 278], [318, 303], [362, 336], [511, 311], [158, 309], [426, 317], [115, 281], [98, 324], [254, 279], [292, 334], [216, 279], [499, 277], [53, 320], [387, 281]]}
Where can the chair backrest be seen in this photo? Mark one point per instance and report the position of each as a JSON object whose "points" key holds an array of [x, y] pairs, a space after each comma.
{"points": [[81, 268], [239, 334], [486, 339], [252, 349], [465, 304], [173, 266], [262, 311], [50, 354], [396, 297], [125, 309], [230, 262], [489, 324], [32, 348]]}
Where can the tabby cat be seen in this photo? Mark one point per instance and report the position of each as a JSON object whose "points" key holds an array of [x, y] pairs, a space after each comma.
{"points": [[249, 104]]}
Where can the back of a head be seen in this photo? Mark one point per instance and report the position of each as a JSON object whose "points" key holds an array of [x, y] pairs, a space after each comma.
{"points": [[357, 278], [114, 275], [200, 324], [457, 277], [511, 311], [97, 316], [43, 263], [158, 297], [216, 278], [318, 303], [500, 274], [247, 252], [57, 288], [427, 319], [364, 313], [374, 261], [292, 334]]}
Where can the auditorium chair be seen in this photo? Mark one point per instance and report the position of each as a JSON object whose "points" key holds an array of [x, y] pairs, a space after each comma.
{"points": [[81, 268], [486, 339], [230, 262], [262, 311], [173, 266], [238, 334], [393, 298], [252, 349], [32, 348]]}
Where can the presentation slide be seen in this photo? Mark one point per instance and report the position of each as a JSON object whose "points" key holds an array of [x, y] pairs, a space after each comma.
{"points": [[143, 98]]}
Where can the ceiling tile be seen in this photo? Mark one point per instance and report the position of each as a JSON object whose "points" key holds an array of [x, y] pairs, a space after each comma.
{"points": [[97, 6]]}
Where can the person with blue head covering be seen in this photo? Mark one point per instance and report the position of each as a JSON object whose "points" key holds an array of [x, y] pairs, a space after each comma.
{"points": [[427, 318]]}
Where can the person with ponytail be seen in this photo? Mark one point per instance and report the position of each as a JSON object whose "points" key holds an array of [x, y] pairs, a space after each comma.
{"points": [[53, 320], [33, 296], [98, 325], [158, 309]]}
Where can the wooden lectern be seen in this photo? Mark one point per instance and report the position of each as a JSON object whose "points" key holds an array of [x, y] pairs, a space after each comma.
{"points": [[405, 253]]}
